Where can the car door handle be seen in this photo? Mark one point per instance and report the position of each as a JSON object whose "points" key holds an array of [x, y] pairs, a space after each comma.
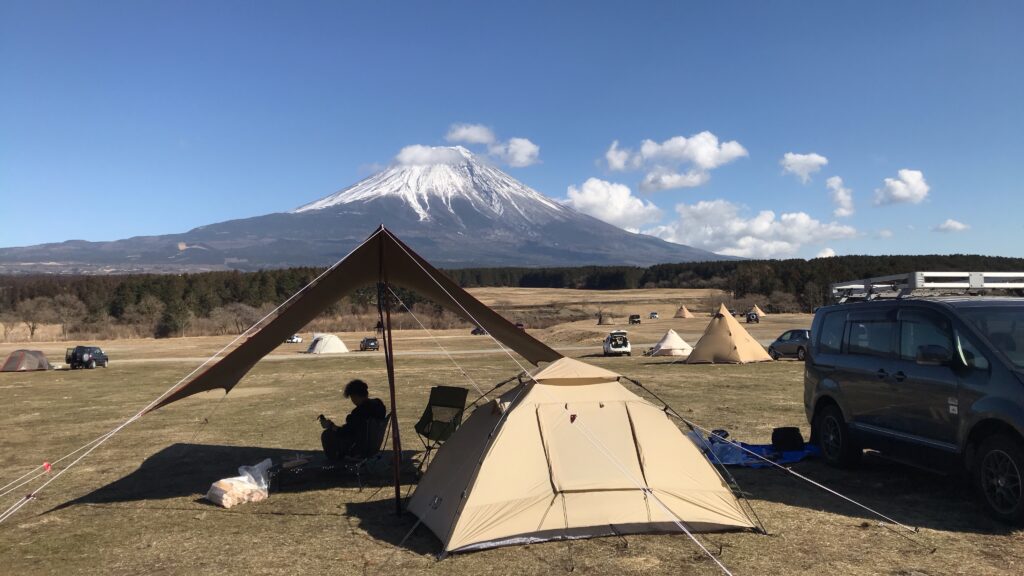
{"points": [[899, 376], [882, 374]]}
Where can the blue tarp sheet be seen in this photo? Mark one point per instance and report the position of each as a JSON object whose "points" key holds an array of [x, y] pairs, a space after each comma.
{"points": [[731, 455]]}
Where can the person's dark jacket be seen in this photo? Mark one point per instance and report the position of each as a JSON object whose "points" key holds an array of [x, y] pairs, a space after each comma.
{"points": [[371, 409]]}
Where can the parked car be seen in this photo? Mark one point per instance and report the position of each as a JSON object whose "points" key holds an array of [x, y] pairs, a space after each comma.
{"points": [[521, 326], [791, 344], [616, 343], [937, 382], [294, 339], [753, 318], [652, 316], [85, 357], [634, 318], [478, 331], [369, 343]]}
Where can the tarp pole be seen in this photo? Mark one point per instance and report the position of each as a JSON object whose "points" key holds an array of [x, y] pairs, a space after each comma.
{"points": [[384, 311]]}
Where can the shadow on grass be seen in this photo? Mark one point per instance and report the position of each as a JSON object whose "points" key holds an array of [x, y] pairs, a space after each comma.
{"points": [[908, 495], [182, 470]]}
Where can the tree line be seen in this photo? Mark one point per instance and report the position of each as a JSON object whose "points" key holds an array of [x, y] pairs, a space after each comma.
{"points": [[169, 304]]}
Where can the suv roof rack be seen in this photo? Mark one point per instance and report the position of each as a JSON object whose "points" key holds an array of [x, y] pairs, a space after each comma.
{"points": [[921, 283]]}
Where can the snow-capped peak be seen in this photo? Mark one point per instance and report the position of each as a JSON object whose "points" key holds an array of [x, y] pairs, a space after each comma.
{"points": [[430, 178]]}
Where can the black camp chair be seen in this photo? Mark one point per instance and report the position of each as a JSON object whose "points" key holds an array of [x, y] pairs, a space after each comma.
{"points": [[441, 418]]}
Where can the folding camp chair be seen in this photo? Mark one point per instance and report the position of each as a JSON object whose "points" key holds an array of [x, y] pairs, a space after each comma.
{"points": [[376, 435], [441, 418]]}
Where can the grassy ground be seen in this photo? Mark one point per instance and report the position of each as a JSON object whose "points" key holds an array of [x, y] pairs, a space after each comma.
{"points": [[134, 506]]}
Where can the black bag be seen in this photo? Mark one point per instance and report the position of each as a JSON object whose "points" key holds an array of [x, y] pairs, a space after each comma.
{"points": [[787, 439]]}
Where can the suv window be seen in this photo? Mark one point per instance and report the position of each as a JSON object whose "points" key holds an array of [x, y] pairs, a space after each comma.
{"points": [[870, 336], [970, 353], [785, 336], [831, 340], [1004, 328], [922, 328]]}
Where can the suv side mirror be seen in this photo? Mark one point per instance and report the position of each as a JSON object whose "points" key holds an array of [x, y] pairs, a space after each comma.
{"points": [[934, 355]]}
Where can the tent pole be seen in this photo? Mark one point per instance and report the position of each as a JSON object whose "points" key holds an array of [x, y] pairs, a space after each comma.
{"points": [[384, 311]]}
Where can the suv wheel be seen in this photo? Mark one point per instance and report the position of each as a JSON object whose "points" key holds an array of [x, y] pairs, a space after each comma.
{"points": [[771, 352], [92, 364], [998, 475], [834, 438], [801, 354]]}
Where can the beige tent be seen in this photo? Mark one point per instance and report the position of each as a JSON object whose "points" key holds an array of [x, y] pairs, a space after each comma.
{"points": [[726, 341], [682, 312], [326, 344], [605, 319], [569, 453], [758, 311], [671, 345]]}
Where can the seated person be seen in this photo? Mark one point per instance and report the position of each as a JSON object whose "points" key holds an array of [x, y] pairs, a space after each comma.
{"points": [[350, 439]]}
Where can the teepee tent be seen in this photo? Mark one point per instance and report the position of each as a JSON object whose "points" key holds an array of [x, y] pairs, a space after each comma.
{"points": [[25, 361], [760, 313], [326, 344], [569, 453], [671, 344], [726, 341], [682, 312]]}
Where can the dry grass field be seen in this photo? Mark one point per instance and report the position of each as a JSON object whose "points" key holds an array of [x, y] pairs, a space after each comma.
{"points": [[135, 507]]}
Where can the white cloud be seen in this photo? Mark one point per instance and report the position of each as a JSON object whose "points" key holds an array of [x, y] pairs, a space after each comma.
{"points": [[951, 225], [908, 187], [802, 165], [678, 162], [614, 203], [470, 134], [517, 152], [659, 180], [719, 226], [617, 158], [419, 154], [826, 253], [842, 197], [885, 233]]}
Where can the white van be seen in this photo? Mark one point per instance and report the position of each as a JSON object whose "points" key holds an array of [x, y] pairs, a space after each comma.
{"points": [[616, 343]]}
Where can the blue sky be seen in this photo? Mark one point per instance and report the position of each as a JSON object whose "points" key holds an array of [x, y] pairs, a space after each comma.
{"points": [[128, 118]]}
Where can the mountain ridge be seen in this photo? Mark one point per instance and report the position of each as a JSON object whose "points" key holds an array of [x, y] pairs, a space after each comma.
{"points": [[455, 210]]}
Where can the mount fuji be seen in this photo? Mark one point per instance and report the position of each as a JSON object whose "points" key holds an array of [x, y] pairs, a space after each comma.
{"points": [[451, 207]]}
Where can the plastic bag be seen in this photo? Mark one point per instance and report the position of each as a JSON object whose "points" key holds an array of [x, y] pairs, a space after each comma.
{"points": [[249, 486]]}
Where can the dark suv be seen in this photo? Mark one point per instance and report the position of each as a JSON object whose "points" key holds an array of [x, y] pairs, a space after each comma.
{"points": [[937, 382], [85, 357]]}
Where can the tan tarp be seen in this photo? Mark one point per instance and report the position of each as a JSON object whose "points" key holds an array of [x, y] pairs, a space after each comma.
{"points": [[381, 257], [726, 341], [757, 311], [683, 312], [558, 459], [671, 344], [326, 344], [25, 361]]}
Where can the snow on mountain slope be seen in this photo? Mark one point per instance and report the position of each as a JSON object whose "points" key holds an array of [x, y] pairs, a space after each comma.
{"points": [[437, 186]]}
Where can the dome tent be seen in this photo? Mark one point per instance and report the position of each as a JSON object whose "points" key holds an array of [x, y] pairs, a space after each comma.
{"points": [[326, 344], [569, 453], [26, 361]]}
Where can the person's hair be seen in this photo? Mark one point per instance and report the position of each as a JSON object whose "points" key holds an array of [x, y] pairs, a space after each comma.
{"points": [[356, 388]]}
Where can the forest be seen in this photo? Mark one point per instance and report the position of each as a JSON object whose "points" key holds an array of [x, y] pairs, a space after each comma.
{"points": [[158, 305]]}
